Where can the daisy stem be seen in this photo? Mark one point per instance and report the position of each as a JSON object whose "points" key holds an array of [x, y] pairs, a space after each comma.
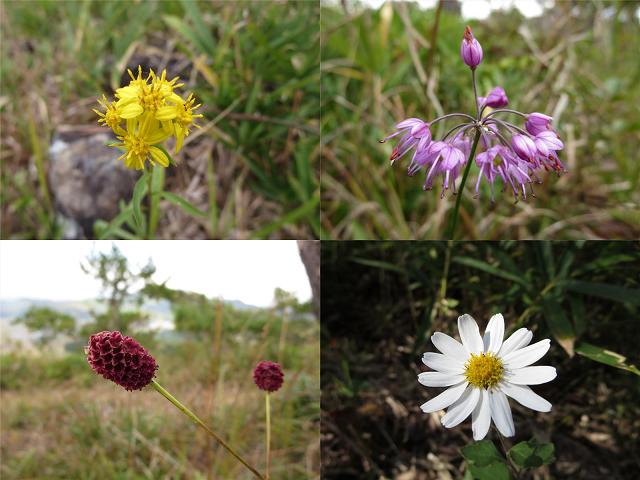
{"points": [[454, 215], [512, 467], [200, 423], [268, 439]]}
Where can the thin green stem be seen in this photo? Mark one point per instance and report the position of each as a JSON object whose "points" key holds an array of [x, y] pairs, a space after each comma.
{"points": [[512, 466], [454, 215], [200, 423], [505, 110], [149, 175], [268, 440], [475, 93]]}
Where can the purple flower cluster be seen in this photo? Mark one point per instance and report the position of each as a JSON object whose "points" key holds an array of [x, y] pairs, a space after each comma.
{"points": [[511, 153], [121, 359], [268, 376]]}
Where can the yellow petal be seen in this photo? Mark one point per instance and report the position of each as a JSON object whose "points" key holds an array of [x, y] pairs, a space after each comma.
{"points": [[131, 111], [157, 136], [174, 97], [159, 156], [166, 113], [127, 92]]}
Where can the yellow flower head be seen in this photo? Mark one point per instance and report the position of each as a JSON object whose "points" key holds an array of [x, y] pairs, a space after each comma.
{"points": [[146, 112]]}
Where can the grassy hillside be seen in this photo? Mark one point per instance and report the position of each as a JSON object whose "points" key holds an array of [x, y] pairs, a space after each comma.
{"points": [[62, 421]]}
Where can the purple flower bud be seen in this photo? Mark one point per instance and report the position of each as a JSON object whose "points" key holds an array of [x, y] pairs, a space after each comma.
{"points": [[497, 98], [121, 359], [524, 147], [470, 49], [268, 376], [537, 122]]}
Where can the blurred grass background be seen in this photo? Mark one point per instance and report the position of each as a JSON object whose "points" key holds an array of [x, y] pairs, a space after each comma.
{"points": [[382, 301], [60, 420], [253, 64], [575, 62]]}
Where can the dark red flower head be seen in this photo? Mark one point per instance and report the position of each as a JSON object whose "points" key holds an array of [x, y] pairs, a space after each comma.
{"points": [[268, 376], [121, 359]]}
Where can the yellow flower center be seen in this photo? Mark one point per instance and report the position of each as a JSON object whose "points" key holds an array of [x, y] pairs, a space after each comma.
{"points": [[137, 145], [484, 370]]}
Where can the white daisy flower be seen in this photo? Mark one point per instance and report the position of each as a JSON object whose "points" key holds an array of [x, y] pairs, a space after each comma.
{"points": [[481, 371]]}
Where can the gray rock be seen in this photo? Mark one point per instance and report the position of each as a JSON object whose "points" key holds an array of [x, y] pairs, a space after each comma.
{"points": [[86, 179]]}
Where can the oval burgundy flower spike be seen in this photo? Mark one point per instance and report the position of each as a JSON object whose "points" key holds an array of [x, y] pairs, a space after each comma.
{"points": [[121, 359], [268, 376]]}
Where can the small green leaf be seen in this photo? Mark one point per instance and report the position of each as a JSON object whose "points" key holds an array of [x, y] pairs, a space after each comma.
{"points": [[182, 203], [490, 269], [532, 454], [607, 357], [481, 453], [559, 324], [139, 192], [485, 462]]}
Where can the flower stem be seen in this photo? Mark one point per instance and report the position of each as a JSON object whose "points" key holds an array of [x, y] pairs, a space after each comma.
{"points": [[510, 463], [449, 115], [454, 215], [149, 175], [200, 423], [268, 440], [475, 93]]}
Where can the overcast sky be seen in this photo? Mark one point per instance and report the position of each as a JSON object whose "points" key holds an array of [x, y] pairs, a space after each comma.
{"points": [[243, 270]]}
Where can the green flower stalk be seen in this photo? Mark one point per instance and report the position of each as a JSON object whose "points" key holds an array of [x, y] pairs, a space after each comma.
{"points": [[268, 376], [125, 362]]}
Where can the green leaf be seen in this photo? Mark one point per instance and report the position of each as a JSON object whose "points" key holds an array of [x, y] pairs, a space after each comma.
{"points": [[607, 357], [482, 453], [485, 267], [604, 290], [560, 326], [139, 192], [182, 203], [485, 462], [493, 471], [202, 31], [378, 264], [157, 185], [532, 454]]}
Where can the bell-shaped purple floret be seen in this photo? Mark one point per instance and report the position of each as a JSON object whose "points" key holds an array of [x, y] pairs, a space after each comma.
{"points": [[524, 147], [537, 123]]}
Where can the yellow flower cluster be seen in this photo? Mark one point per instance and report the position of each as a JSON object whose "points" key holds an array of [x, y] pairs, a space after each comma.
{"points": [[146, 113]]}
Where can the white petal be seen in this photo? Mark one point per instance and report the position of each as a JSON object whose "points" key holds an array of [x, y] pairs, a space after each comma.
{"points": [[526, 356], [439, 379], [462, 408], [445, 399], [470, 334], [531, 375], [501, 413], [494, 334], [518, 339], [449, 346], [525, 396], [442, 363], [481, 416]]}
